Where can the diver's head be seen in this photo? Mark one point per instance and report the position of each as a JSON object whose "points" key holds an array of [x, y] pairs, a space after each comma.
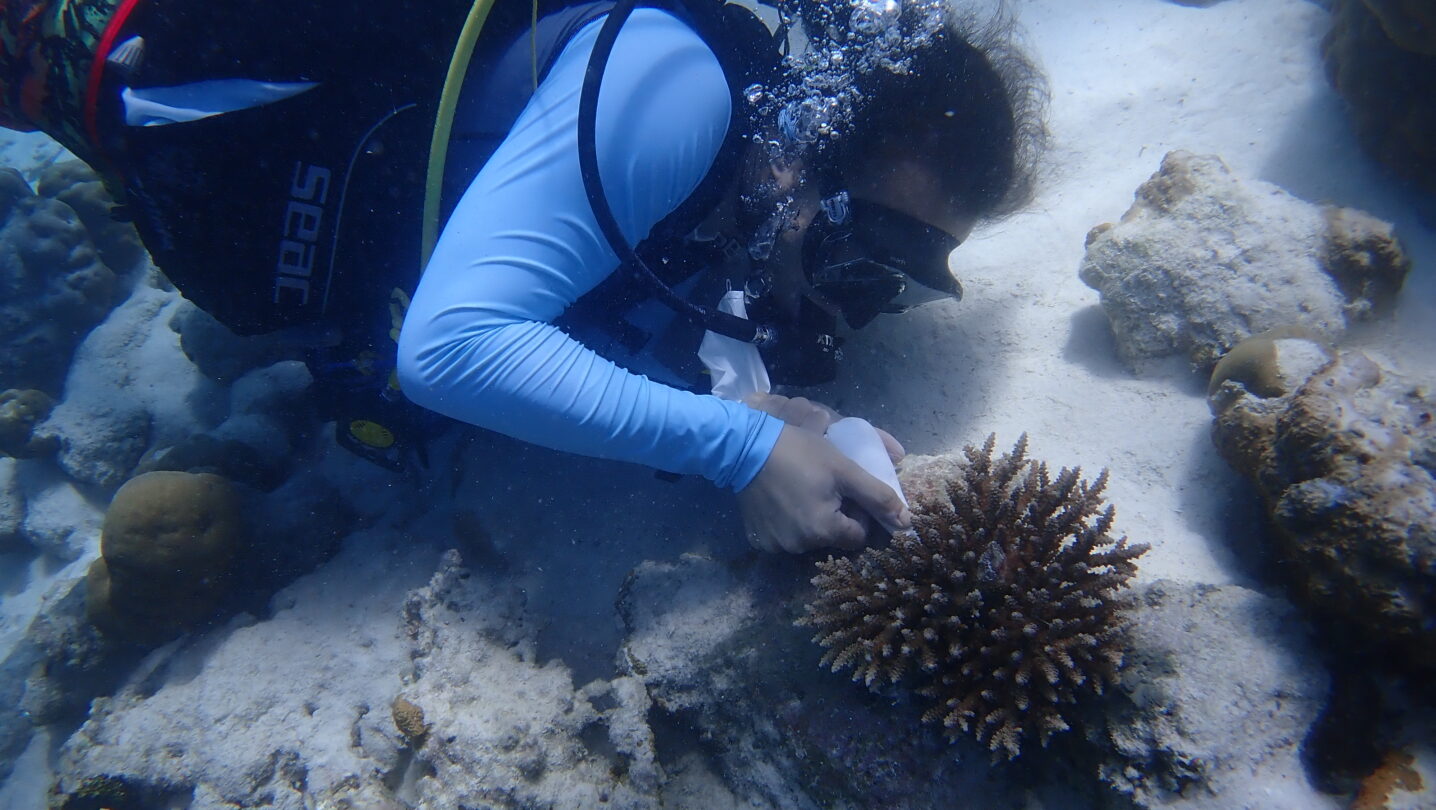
{"points": [[935, 137], [869, 254], [959, 129]]}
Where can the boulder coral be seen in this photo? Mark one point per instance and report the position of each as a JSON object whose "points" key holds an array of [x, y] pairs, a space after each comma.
{"points": [[1004, 604], [1344, 460], [20, 411], [1203, 260], [166, 552], [1381, 57], [53, 286], [75, 184]]}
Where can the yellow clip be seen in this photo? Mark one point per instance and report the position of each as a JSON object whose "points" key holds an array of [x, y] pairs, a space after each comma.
{"points": [[398, 308], [371, 433]]}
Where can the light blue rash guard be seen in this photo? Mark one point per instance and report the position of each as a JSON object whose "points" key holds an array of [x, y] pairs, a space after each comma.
{"points": [[478, 342]]}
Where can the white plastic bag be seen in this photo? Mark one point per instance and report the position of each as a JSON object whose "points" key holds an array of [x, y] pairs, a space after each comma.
{"points": [[737, 371], [736, 367], [859, 441]]}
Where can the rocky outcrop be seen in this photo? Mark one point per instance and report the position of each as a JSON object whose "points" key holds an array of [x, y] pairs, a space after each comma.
{"points": [[1215, 679], [269, 417], [130, 390], [1381, 57], [1344, 460], [286, 713], [503, 730], [1203, 260], [1220, 689], [732, 675], [362, 690]]}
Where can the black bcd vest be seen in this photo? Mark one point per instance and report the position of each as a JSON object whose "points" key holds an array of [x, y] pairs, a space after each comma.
{"points": [[307, 211]]}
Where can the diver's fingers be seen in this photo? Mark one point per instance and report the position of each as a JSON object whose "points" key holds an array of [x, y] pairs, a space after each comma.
{"points": [[892, 445], [818, 409], [796, 411], [876, 498], [807, 414]]}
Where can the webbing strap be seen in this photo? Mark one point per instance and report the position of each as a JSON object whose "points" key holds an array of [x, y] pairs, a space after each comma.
{"points": [[97, 71], [444, 123]]}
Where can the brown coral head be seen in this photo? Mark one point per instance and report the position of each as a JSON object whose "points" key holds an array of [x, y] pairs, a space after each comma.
{"points": [[1002, 605]]}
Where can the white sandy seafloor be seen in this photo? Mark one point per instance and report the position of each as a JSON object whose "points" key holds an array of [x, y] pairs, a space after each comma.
{"points": [[1027, 350]]}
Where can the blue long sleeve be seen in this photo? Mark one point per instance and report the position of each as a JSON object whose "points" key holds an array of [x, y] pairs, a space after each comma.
{"points": [[478, 342]]}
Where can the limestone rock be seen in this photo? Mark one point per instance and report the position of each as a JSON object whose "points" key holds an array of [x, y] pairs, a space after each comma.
{"points": [[1344, 463], [12, 504], [51, 665], [505, 730], [60, 520], [269, 419], [219, 353], [1221, 686], [1203, 260], [131, 390], [100, 444]]}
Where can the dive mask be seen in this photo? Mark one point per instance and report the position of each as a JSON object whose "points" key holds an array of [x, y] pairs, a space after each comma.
{"points": [[868, 259]]}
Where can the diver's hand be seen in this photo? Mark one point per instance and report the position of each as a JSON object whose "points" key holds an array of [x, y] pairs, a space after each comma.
{"points": [[815, 416], [795, 503]]}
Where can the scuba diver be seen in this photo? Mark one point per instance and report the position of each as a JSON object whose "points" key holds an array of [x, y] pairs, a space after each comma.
{"points": [[563, 193]]}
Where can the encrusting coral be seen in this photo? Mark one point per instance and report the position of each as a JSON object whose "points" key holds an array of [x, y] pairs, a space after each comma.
{"points": [[1003, 601]]}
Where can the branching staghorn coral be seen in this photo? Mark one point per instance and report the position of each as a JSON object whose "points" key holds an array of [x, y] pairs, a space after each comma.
{"points": [[1003, 602]]}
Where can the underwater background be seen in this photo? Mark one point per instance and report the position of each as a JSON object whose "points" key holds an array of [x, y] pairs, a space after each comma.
{"points": [[1223, 295]]}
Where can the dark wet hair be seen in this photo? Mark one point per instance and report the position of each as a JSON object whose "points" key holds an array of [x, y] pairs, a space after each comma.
{"points": [[971, 104]]}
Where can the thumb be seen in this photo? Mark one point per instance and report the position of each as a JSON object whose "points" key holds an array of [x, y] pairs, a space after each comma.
{"points": [[875, 497]]}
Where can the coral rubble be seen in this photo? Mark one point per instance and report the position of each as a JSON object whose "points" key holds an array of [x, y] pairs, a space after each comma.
{"points": [[504, 730], [1203, 260], [1004, 602], [1344, 462]]}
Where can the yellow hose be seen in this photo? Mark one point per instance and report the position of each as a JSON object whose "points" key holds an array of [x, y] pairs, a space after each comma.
{"points": [[444, 123]]}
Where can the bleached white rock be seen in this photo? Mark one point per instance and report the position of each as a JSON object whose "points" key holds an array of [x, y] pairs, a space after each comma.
{"points": [[1204, 259], [507, 730], [130, 388], [60, 520]]}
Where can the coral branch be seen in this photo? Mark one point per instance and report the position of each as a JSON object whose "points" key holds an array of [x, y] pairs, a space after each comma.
{"points": [[1002, 605]]}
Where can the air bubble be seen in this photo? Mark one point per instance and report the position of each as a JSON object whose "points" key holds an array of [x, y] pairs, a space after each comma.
{"points": [[874, 17]]}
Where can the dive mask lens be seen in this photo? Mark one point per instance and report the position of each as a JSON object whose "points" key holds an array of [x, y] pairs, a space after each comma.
{"points": [[908, 244], [869, 259]]}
